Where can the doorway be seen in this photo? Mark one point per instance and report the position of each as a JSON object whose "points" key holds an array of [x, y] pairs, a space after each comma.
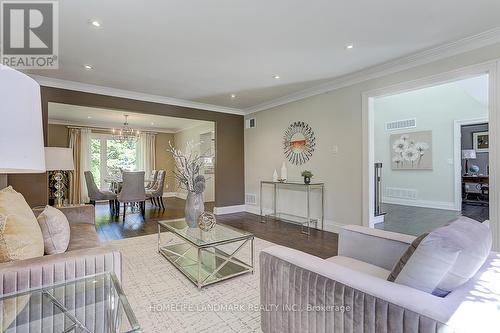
{"points": [[413, 133]]}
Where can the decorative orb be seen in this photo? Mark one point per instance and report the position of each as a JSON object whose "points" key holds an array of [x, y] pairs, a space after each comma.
{"points": [[58, 177], [207, 221], [474, 169]]}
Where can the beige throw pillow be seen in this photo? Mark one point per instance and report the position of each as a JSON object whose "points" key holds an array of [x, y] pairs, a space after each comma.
{"points": [[20, 234], [55, 230]]}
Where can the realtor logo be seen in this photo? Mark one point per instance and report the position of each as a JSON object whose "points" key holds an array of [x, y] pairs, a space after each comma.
{"points": [[29, 34]]}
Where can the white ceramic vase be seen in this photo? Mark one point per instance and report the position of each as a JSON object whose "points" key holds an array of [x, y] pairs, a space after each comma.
{"points": [[284, 172]]}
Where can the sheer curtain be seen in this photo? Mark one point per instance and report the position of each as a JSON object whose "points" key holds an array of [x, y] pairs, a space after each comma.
{"points": [[74, 143], [84, 162], [146, 153]]}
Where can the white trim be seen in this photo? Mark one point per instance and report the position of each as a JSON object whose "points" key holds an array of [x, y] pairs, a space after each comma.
{"points": [[169, 194], [417, 59], [457, 155], [489, 68], [105, 126], [101, 90], [421, 203], [181, 195], [229, 209]]}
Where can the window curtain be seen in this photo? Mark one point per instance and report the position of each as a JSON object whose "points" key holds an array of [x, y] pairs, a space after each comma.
{"points": [[146, 153], [84, 162], [75, 180]]}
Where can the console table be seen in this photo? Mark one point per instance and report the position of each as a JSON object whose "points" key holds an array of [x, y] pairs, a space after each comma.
{"points": [[304, 221]]}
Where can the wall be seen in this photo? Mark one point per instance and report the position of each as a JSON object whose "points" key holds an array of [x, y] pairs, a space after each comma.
{"points": [[336, 117], [193, 135], [482, 159], [229, 178], [435, 109], [164, 159], [58, 135]]}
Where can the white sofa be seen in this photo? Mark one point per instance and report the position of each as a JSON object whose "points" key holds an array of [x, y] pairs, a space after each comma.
{"points": [[350, 292]]}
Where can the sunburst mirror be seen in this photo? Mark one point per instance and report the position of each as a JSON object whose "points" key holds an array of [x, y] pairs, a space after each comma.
{"points": [[299, 142]]}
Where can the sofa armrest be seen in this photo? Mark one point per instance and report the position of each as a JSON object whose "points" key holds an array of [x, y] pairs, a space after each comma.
{"points": [[303, 293], [37, 272], [74, 213], [377, 247]]}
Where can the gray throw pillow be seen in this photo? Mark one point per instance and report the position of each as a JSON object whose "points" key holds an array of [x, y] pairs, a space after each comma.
{"points": [[55, 230], [444, 259]]}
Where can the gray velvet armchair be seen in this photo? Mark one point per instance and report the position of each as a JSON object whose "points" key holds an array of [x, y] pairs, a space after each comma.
{"points": [[350, 292]]}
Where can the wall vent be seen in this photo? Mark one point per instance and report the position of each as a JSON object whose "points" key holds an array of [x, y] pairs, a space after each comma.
{"points": [[401, 124], [250, 123], [250, 199], [401, 193]]}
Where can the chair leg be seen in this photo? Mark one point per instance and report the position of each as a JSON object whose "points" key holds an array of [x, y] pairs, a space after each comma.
{"points": [[161, 202], [142, 204], [117, 208], [124, 210]]}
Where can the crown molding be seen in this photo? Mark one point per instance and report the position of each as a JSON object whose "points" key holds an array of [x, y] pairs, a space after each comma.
{"points": [[397, 65], [101, 90], [105, 126]]}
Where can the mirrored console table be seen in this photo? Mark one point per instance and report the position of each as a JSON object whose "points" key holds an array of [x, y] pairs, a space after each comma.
{"points": [[304, 221]]}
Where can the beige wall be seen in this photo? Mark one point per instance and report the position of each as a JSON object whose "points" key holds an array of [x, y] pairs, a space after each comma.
{"points": [[164, 159], [58, 135], [193, 135], [336, 118]]}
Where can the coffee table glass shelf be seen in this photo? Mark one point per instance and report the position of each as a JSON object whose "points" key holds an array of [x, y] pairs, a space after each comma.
{"points": [[87, 305], [206, 257]]}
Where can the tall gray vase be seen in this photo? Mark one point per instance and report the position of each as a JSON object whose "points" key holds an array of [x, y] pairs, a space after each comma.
{"points": [[194, 208]]}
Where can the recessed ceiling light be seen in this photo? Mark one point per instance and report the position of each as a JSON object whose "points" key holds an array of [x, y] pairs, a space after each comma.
{"points": [[152, 124], [95, 23], [233, 96], [349, 46], [276, 77], [89, 117], [88, 67]]}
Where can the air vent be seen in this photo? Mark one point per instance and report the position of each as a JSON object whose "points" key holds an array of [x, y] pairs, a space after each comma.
{"points": [[250, 123], [401, 124], [250, 199], [401, 193]]}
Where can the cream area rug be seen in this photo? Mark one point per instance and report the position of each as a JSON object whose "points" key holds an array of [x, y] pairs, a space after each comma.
{"points": [[164, 300]]}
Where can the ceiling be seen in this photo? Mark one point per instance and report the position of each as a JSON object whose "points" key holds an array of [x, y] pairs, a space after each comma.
{"points": [[203, 51], [96, 117]]}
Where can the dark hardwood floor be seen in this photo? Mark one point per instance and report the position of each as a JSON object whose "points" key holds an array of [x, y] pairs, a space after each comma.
{"points": [[320, 243]]}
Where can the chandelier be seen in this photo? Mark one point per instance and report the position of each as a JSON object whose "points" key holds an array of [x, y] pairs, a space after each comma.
{"points": [[125, 133]]}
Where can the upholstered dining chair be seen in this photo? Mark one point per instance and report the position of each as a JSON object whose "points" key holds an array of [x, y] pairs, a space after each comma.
{"points": [[132, 191], [95, 194], [155, 194], [152, 177]]}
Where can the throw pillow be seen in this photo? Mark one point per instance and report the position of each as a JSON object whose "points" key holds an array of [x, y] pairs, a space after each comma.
{"points": [[405, 257], [20, 234], [474, 240], [55, 230]]}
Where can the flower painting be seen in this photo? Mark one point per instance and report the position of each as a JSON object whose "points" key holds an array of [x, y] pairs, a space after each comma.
{"points": [[411, 151]]}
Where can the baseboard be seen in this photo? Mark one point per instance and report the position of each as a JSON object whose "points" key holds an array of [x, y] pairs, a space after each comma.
{"points": [[181, 195], [170, 194], [420, 203], [328, 225], [229, 209]]}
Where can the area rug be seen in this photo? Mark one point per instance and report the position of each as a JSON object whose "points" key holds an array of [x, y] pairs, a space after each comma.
{"points": [[164, 300]]}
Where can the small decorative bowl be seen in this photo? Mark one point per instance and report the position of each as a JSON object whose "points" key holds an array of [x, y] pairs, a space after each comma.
{"points": [[207, 221]]}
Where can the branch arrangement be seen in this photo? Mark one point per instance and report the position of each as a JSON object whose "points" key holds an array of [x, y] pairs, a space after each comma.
{"points": [[188, 167]]}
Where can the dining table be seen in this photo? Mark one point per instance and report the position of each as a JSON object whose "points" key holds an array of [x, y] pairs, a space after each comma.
{"points": [[116, 181]]}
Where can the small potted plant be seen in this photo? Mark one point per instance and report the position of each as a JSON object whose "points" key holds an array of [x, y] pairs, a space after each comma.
{"points": [[307, 176]]}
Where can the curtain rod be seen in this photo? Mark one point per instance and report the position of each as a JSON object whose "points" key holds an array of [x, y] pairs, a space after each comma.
{"points": [[104, 128]]}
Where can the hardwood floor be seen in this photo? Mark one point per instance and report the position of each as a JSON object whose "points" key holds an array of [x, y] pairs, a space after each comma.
{"points": [[320, 243]]}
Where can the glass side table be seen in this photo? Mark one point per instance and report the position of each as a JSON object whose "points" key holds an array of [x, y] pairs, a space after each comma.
{"points": [[87, 305]]}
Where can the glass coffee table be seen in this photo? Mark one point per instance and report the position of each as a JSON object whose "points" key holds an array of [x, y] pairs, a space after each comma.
{"points": [[198, 254], [91, 304]]}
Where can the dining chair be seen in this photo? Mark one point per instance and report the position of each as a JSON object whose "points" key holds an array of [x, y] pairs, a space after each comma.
{"points": [[155, 194], [133, 191], [96, 194], [152, 177]]}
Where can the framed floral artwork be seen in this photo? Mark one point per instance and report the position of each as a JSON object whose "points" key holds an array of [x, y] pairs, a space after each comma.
{"points": [[411, 151], [481, 142]]}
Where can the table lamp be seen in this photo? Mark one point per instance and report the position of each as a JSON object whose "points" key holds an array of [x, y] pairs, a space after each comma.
{"points": [[59, 159], [21, 127], [468, 154]]}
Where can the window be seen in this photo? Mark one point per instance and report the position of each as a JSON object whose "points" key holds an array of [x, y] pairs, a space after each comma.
{"points": [[108, 156]]}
